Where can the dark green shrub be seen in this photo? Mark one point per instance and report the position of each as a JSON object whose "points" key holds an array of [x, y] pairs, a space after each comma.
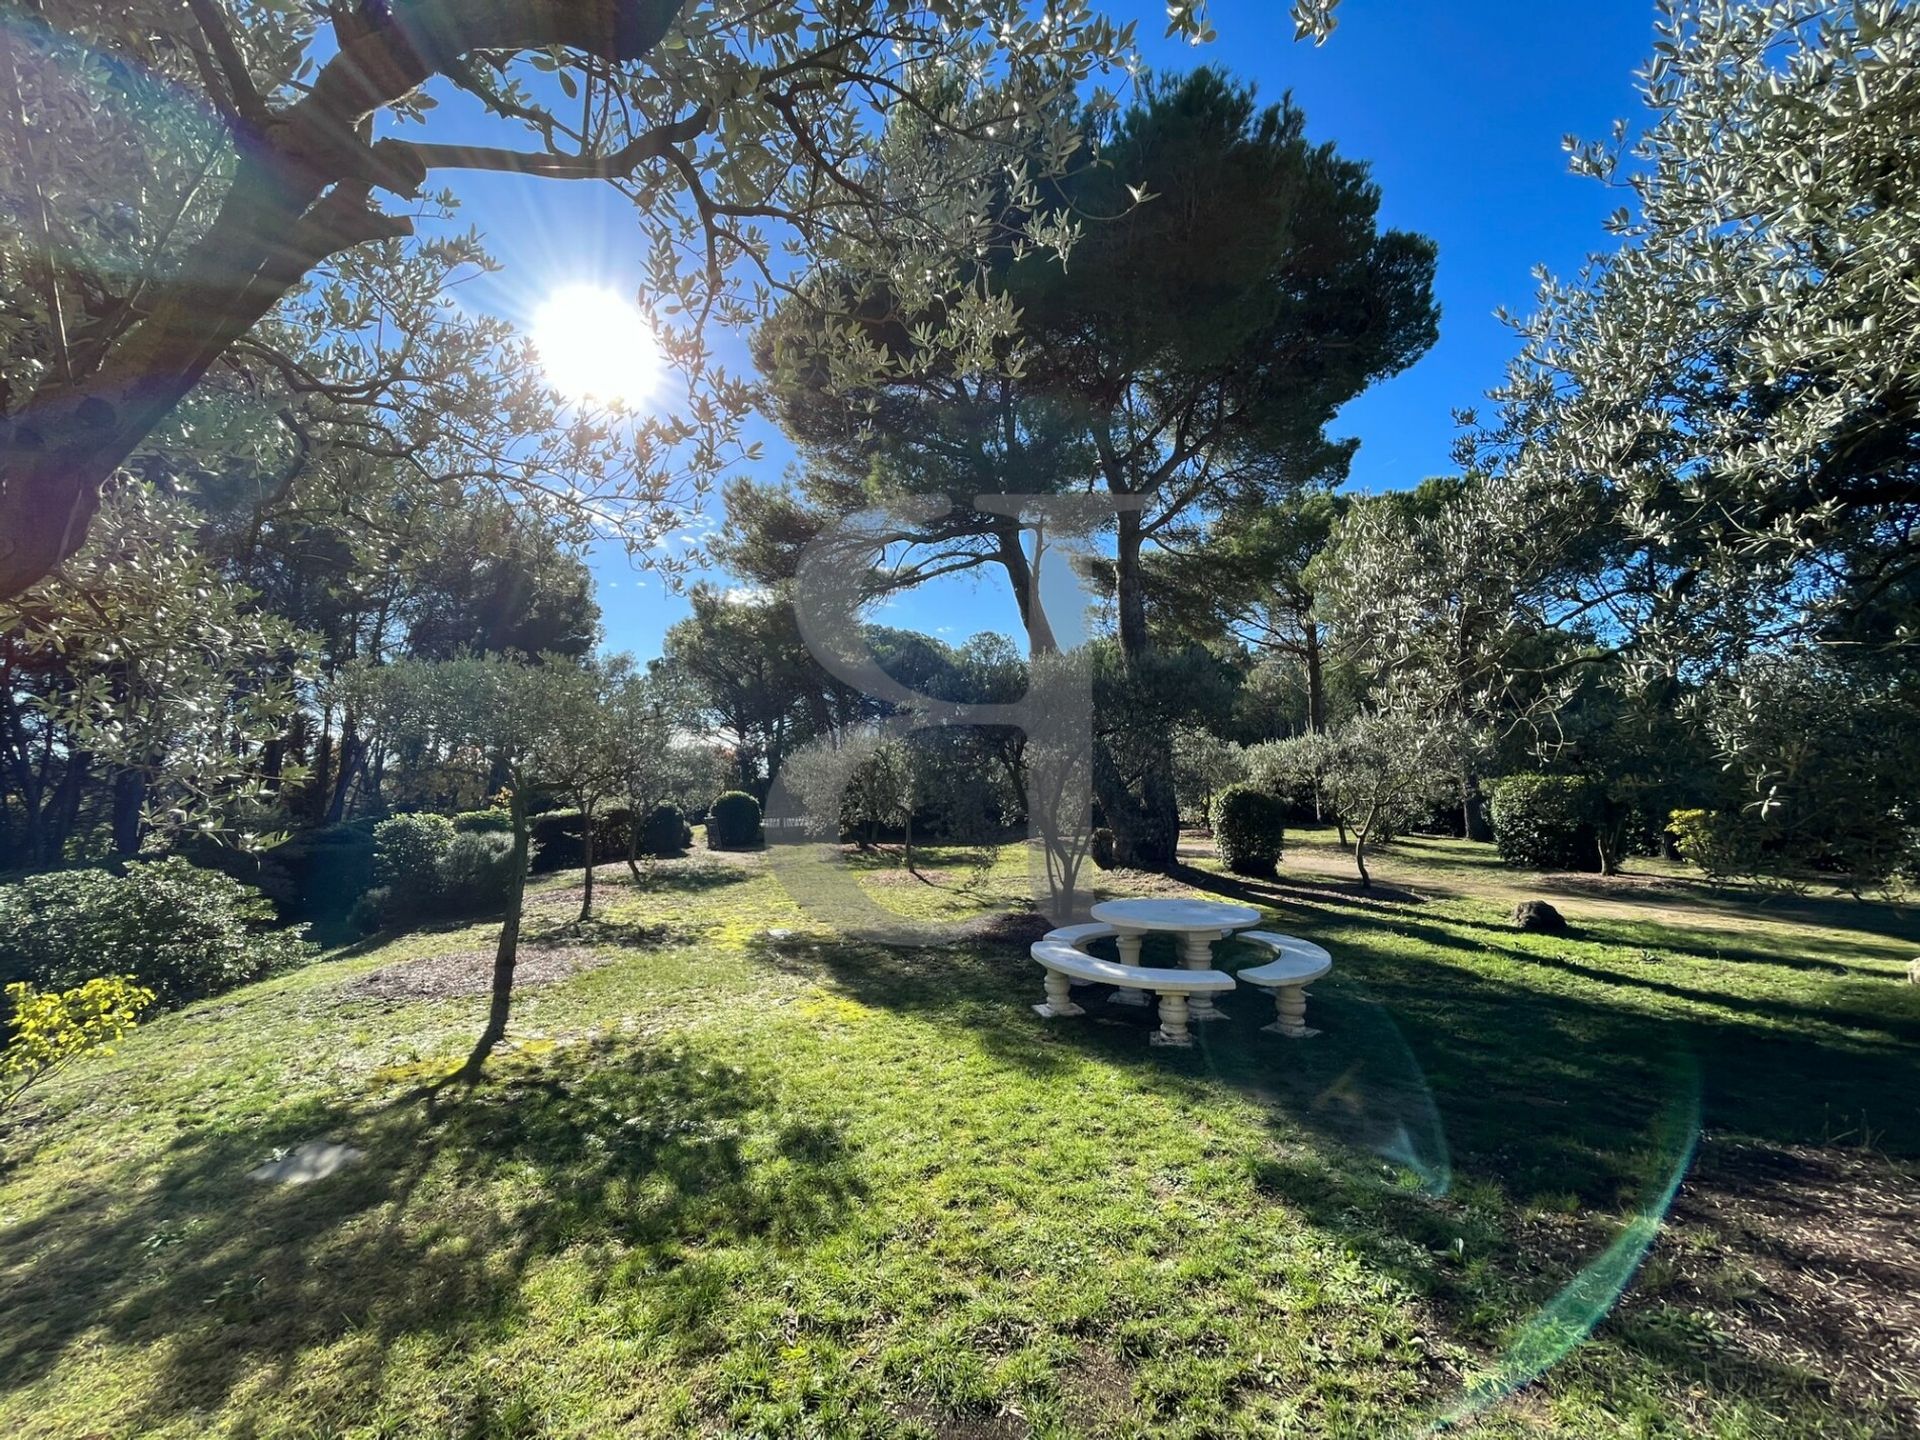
{"points": [[666, 832], [321, 873], [1102, 848], [370, 911], [484, 822], [475, 875], [557, 844], [1249, 827], [1547, 822], [315, 874], [406, 855], [180, 931], [734, 822]]}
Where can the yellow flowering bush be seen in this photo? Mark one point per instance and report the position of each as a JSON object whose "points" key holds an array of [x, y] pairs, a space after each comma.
{"points": [[51, 1028]]}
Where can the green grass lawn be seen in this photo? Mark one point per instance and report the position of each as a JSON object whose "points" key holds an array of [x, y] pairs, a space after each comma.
{"points": [[733, 1182]]}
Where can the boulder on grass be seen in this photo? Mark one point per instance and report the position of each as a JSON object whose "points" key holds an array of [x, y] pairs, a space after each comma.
{"points": [[1539, 918]]}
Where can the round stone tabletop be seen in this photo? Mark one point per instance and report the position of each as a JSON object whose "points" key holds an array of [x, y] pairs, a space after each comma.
{"points": [[1175, 915]]}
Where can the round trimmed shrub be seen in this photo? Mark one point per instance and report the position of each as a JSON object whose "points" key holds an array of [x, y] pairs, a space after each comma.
{"points": [[666, 832], [406, 855], [1249, 827], [1547, 822], [734, 822], [370, 911], [475, 875], [181, 931]]}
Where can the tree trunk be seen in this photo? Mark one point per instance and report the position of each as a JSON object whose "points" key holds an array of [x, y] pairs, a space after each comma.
{"points": [[1146, 828], [319, 788], [129, 795], [350, 754], [1130, 600], [1146, 831], [1360, 847], [1472, 824], [507, 953], [1316, 679], [1024, 577], [586, 852]]}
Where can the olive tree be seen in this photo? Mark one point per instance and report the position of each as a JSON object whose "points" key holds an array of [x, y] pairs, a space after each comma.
{"points": [[541, 725], [152, 670], [1378, 772], [178, 170], [1734, 389]]}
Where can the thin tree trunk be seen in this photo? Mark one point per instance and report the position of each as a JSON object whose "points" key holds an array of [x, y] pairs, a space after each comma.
{"points": [[1155, 820], [1024, 577], [1130, 599], [586, 851], [1360, 846], [351, 752], [507, 953]]}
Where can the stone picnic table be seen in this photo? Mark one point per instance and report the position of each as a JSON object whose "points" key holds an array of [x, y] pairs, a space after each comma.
{"points": [[1196, 924]]}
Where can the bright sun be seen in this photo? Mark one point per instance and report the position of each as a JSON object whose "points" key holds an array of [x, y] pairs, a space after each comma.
{"points": [[596, 345]]}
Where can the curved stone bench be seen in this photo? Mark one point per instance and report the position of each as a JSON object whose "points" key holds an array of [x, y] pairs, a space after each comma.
{"points": [[1066, 966], [1080, 936], [1296, 963]]}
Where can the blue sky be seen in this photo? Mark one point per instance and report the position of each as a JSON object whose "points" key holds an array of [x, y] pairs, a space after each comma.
{"points": [[1459, 105]]}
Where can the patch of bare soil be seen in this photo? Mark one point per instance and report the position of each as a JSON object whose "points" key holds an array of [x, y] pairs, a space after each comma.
{"points": [[1098, 1390], [1121, 881], [947, 1426], [1009, 927], [900, 875], [470, 972], [1818, 1269]]}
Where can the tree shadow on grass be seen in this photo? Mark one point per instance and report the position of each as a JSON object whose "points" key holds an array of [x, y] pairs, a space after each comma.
{"points": [[653, 1155], [1288, 891], [1439, 1107]]}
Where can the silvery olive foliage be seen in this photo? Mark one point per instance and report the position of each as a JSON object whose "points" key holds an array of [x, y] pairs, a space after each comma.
{"points": [[1377, 772], [1454, 613], [1702, 474], [169, 673], [182, 175], [1732, 396]]}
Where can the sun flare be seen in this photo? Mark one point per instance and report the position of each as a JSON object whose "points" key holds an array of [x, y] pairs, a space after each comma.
{"points": [[595, 345]]}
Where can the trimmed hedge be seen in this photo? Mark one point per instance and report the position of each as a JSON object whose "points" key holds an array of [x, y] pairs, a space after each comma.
{"points": [[665, 832], [181, 931], [1547, 822], [1249, 827], [557, 839], [406, 854], [475, 875], [734, 822], [484, 822]]}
